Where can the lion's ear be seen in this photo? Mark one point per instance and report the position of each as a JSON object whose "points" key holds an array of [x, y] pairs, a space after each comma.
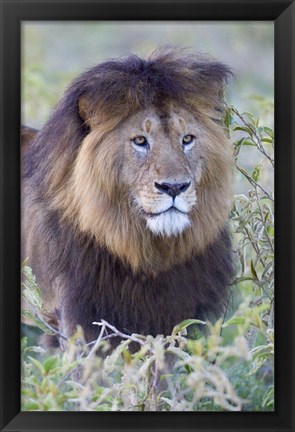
{"points": [[85, 111]]}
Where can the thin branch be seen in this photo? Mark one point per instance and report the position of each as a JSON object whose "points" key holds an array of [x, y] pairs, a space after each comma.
{"points": [[117, 332], [109, 336], [254, 183], [258, 140], [261, 214], [257, 250], [97, 342]]}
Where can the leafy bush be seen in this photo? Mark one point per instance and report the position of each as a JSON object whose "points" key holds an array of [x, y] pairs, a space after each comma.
{"points": [[228, 367]]}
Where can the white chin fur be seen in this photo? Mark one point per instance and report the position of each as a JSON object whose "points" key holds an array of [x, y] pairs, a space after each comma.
{"points": [[168, 224]]}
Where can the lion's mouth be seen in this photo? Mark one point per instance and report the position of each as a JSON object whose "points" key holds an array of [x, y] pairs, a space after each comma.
{"points": [[169, 210], [169, 222]]}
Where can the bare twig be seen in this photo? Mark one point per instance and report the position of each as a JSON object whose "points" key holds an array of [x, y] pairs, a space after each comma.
{"points": [[97, 342], [117, 332]]}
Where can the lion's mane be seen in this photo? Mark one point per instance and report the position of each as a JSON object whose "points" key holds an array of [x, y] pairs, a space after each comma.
{"points": [[96, 261]]}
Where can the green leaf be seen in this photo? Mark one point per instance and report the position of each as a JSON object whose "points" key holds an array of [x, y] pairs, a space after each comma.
{"points": [[184, 324], [237, 147], [168, 401], [228, 118], [126, 356], [270, 230], [249, 143], [256, 173], [256, 366], [28, 314], [259, 361], [35, 349], [253, 271], [266, 216], [250, 117], [268, 131], [188, 368], [256, 320], [50, 363], [266, 198], [24, 343], [239, 320], [244, 129], [38, 365], [268, 398], [243, 279], [267, 140]]}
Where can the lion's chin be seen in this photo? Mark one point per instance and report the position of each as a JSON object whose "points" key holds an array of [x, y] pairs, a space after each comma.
{"points": [[170, 223]]}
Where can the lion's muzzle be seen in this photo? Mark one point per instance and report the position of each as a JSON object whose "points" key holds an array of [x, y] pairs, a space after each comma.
{"points": [[172, 189]]}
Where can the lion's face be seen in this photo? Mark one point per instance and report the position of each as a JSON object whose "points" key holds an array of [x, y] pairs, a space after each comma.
{"points": [[162, 167]]}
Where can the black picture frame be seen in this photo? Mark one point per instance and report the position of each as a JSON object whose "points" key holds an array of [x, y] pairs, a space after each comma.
{"points": [[282, 12]]}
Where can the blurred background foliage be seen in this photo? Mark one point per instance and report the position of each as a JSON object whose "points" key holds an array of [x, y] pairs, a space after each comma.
{"points": [[53, 54]]}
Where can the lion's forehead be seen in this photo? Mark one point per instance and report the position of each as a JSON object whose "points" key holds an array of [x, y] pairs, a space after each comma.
{"points": [[167, 122]]}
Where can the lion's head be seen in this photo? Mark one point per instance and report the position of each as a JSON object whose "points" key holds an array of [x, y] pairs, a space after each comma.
{"points": [[163, 164], [141, 161]]}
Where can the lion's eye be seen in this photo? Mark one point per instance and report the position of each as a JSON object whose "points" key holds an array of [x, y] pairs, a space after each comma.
{"points": [[140, 141], [188, 139]]}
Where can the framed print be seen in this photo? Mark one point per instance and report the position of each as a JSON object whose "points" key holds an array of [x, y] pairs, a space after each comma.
{"points": [[146, 263]]}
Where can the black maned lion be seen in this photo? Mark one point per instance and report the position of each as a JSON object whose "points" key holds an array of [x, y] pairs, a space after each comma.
{"points": [[126, 196]]}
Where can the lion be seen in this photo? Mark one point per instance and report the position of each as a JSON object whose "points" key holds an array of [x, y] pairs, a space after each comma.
{"points": [[126, 196]]}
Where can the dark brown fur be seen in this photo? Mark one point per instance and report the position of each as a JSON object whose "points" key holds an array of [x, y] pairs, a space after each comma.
{"points": [[81, 279], [27, 135]]}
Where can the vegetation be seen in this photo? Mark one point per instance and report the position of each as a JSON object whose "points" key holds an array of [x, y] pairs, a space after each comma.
{"points": [[227, 367]]}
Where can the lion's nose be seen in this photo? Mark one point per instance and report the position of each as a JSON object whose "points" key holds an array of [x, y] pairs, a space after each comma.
{"points": [[172, 189]]}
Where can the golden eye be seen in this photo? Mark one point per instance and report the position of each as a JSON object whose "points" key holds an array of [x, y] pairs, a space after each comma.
{"points": [[140, 141], [188, 139]]}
